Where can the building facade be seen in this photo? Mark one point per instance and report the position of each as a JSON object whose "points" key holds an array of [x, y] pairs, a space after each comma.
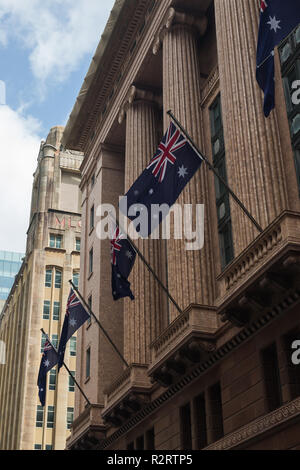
{"points": [[10, 264], [220, 374], [37, 300]]}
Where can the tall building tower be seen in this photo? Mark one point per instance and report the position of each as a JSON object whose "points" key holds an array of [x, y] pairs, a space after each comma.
{"points": [[10, 264], [220, 374], [37, 300]]}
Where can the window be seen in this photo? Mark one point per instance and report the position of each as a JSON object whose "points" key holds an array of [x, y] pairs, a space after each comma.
{"points": [[289, 53], [46, 310], [90, 304], [48, 447], [55, 241], [216, 418], [78, 244], [70, 417], [222, 194], [271, 375], [92, 218], [54, 341], [130, 446], [37, 447], [48, 279], [76, 279], [91, 261], [50, 417], [56, 311], [200, 422], [88, 363], [52, 379], [71, 382], [39, 416], [186, 427], [140, 443], [43, 341], [93, 180], [58, 278], [73, 346], [293, 370]]}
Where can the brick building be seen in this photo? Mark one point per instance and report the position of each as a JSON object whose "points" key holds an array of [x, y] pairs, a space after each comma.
{"points": [[219, 375]]}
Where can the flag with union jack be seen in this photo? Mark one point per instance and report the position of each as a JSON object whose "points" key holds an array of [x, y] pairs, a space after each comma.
{"points": [[122, 261], [277, 19], [161, 183], [49, 360], [75, 317]]}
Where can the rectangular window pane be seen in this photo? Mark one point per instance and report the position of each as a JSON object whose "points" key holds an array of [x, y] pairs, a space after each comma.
{"points": [[71, 382], [39, 416], [90, 304], [46, 310], [54, 341], [56, 311], [150, 439], [78, 243], [91, 261], [37, 447], [200, 422], [50, 417], [216, 418], [140, 443], [92, 217], [73, 346], [48, 447], [58, 276], [76, 279], [70, 417], [43, 341], [88, 363], [186, 427], [48, 279], [52, 379]]}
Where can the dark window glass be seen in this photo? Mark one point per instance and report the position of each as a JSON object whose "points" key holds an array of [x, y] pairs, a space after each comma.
{"points": [[200, 422], [48, 279], [54, 341], [46, 310], [222, 194], [37, 447], [271, 378], [52, 379], [78, 244], [186, 427], [140, 443], [215, 397], [91, 261], [56, 311], [55, 241], [92, 218], [130, 446], [88, 363], [50, 417], [43, 341], [71, 382], [150, 439], [76, 279], [58, 278], [49, 447], [70, 417], [73, 346]]}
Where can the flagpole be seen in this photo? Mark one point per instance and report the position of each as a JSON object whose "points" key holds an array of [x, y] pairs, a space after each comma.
{"points": [[212, 168], [135, 248], [99, 324], [68, 370]]}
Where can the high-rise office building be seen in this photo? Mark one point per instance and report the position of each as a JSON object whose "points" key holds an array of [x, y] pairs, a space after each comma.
{"points": [[38, 299]]}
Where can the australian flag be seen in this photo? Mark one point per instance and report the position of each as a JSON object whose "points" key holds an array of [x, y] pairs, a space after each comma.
{"points": [[122, 261], [278, 18], [75, 317], [49, 360], [161, 183]]}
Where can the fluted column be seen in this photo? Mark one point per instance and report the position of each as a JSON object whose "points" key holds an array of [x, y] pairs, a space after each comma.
{"points": [[254, 165], [144, 317], [190, 275]]}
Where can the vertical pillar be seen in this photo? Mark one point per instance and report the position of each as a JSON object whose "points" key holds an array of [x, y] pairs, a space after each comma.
{"points": [[254, 164], [190, 274], [143, 317]]}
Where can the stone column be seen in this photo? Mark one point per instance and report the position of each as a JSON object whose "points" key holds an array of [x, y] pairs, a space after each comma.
{"points": [[144, 318], [253, 149], [190, 274]]}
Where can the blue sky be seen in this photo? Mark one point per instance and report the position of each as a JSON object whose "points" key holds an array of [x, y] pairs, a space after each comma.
{"points": [[46, 47]]}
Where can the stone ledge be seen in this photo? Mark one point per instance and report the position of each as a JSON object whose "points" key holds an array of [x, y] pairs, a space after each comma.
{"points": [[88, 430]]}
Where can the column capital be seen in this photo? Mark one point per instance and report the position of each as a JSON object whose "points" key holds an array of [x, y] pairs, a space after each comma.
{"points": [[175, 17], [137, 94]]}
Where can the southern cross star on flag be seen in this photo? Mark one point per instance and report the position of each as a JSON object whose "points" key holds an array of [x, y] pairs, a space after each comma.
{"points": [[49, 360], [75, 317], [167, 174], [277, 19], [122, 261]]}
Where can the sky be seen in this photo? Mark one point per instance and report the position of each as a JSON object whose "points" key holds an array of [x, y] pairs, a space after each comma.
{"points": [[46, 47]]}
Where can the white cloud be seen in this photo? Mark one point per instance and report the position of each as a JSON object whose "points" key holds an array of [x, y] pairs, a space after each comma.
{"points": [[58, 33], [20, 143]]}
